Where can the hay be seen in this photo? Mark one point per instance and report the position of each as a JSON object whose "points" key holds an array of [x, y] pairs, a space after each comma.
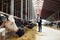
{"points": [[29, 35]]}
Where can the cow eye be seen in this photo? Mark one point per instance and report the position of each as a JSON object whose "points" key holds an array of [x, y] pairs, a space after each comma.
{"points": [[11, 23], [1, 23]]}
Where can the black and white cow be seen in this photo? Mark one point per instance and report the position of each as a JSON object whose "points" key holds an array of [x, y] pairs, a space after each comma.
{"points": [[58, 25], [16, 25], [24, 23], [9, 23]]}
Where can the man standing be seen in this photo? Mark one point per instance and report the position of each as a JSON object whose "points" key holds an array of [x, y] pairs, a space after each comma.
{"points": [[39, 21]]}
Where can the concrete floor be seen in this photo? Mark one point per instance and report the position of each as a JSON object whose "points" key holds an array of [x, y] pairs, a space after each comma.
{"points": [[48, 34]]}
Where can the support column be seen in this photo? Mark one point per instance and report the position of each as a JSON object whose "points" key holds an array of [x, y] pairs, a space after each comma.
{"points": [[2, 5], [30, 10], [26, 9], [7, 7], [12, 7], [22, 9], [33, 11]]}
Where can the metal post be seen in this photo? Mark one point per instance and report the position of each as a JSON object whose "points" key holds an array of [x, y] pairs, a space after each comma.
{"points": [[12, 7], [7, 8], [58, 14], [26, 9], [22, 9], [30, 10], [2, 5]]}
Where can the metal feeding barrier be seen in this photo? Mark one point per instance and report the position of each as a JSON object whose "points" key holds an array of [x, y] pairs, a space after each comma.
{"points": [[18, 18], [9, 14], [29, 25]]}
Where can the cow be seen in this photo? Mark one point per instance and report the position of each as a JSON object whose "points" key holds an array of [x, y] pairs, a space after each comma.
{"points": [[58, 25], [31, 24], [16, 25], [51, 24], [9, 23], [24, 23]]}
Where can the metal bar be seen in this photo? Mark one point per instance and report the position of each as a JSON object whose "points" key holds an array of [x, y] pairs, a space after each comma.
{"points": [[12, 7], [22, 9], [26, 9], [9, 14], [7, 8], [2, 5]]}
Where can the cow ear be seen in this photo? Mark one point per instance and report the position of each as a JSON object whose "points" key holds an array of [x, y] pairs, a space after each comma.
{"points": [[11, 18]]}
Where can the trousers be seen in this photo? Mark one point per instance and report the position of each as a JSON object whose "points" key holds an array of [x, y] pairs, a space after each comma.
{"points": [[39, 27]]}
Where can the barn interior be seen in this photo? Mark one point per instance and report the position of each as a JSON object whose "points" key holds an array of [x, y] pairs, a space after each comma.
{"points": [[5, 6], [50, 9], [25, 9]]}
